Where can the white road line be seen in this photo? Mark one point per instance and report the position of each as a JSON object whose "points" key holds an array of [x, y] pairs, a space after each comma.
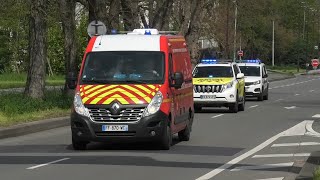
{"points": [[278, 178], [291, 107], [281, 155], [311, 90], [297, 94], [295, 130], [253, 106], [45, 164], [309, 129], [296, 144], [264, 166], [279, 100], [217, 116], [316, 116]]}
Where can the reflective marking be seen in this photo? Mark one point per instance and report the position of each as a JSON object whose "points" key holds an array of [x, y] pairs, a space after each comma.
{"points": [[292, 107], [279, 100], [265, 166], [52, 162], [296, 144], [281, 155], [253, 106], [316, 116], [217, 116]]}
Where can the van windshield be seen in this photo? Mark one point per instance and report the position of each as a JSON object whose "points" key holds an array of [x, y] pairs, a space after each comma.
{"points": [[213, 72], [121, 67], [250, 70]]}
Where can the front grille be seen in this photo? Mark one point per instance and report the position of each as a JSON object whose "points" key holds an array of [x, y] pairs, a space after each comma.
{"points": [[208, 88], [248, 83], [125, 115]]}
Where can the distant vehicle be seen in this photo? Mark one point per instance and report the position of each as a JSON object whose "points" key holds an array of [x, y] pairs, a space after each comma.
{"points": [[218, 84], [135, 86], [256, 78]]}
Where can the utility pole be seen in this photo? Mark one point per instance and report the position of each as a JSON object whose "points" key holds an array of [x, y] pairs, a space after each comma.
{"points": [[235, 31], [273, 43], [240, 48]]}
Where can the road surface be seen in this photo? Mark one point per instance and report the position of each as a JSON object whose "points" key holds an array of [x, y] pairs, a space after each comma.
{"points": [[270, 139]]}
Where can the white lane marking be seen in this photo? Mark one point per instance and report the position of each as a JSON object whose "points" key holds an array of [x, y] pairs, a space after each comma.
{"points": [[309, 129], [279, 100], [281, 155], [45, 164], [253, 106], [294, 83], [278, 178], [316, 116], [296, 144], [298, 129], [264, 166], [311, 90], [217, 116], [297, 94], [291, 107]]}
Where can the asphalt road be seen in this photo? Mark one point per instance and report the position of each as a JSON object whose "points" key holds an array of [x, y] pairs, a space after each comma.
{"points": [[270, 139]]}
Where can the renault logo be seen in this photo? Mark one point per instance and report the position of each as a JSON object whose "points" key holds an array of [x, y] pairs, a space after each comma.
{"points": [[115, 107]]}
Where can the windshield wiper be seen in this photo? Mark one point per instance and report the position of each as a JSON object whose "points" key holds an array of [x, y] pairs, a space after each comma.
{"points": [[136, 81], [100, 81]]}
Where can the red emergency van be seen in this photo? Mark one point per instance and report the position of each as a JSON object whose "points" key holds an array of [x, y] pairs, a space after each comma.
{"points": [[132, 87]]}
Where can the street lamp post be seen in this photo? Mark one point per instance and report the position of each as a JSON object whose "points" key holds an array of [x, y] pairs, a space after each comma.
{"points": [[235, 31]]}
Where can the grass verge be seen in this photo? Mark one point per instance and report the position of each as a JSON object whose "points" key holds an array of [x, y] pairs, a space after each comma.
{"points": [[11, 80], [15, 108], [286, 69], [316, 174]]}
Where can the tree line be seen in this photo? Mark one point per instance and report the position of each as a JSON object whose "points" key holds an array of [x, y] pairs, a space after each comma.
{"points": [[45, 37]]}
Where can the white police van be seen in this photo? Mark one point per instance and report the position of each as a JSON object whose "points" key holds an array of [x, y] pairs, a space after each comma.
{"points": [[256, 78]]}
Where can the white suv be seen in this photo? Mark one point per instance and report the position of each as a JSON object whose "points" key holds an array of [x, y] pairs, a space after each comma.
{"points": [[218, 84], [256, 78]]}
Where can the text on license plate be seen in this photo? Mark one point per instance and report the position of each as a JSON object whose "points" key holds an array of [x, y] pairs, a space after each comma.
{"points": [[208, 96], [114, 127]]}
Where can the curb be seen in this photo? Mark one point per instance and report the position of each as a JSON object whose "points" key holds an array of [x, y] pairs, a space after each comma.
{"points": [[308, 168], [33, 127]]}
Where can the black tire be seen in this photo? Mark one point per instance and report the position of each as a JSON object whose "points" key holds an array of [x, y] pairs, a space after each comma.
{"points": [[166, 139], [260, 97], [184, 135], [197, 109], [79, 145], [234, 108], [266, 96], [242, 105]]}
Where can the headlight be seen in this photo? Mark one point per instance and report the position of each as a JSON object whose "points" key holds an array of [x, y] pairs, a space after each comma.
{"points": [[154, 105], [229, 85], [79, 107], [256, 82]]}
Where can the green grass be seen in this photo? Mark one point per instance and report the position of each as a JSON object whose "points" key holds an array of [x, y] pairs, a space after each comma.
{"points": [[316, 174], [15, 108], [11, 80], [286, 69]]}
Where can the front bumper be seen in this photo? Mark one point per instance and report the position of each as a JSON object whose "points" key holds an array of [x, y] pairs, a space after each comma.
{"points": [[84, 129], [253, 90], [225, 98]]}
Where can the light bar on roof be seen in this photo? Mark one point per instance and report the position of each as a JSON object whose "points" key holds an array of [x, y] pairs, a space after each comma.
{"points": [[145, 31], [251, 61], [209, 61]]}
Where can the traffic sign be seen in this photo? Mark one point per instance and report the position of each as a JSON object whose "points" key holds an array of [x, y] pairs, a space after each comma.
{"points": [[315, 63], [240, 53], [96, 28]]}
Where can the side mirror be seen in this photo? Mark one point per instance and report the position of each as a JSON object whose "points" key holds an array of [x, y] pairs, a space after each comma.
{"points": [[178, 80], [265, 76], [72, 80], [240, 76]]}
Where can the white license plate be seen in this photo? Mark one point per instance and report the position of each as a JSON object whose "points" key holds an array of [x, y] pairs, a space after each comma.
{"points": [[114, 128], [208, 96]]}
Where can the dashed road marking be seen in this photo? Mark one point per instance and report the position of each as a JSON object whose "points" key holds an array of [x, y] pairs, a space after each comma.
{"points": [[311, 90], [264, 166], [298, 129], [281, 155], [253, 106], [278, 178], [291, 107], [316, 116], [217, 116], [296, 144], [45, 164], [297, 94], [279, 100]]}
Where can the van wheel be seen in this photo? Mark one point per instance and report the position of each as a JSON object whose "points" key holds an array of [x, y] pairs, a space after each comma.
{"points": [[234, 108], [166, 139], [242, 105], [266, 97], [184, 135], [79, 145]]}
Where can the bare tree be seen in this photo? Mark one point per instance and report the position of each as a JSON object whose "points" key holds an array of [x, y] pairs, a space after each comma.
{"points": [[38, 52]]}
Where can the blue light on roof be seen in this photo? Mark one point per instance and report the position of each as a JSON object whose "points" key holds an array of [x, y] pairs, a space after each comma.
{"points": [[251, 61], [114, 31], [209, 61], [147, 32]]}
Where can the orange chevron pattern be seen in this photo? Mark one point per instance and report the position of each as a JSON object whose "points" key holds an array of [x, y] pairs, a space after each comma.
{"points": [[124, 94]]}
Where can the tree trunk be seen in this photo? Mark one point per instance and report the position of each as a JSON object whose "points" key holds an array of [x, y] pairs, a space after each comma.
{"points": [[38, 51], [67, 11], [130, 14]]}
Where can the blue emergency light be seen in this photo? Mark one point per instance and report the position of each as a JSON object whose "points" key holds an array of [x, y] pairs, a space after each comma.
{"points": [[147, 32], [209, 61], [251, 61]]}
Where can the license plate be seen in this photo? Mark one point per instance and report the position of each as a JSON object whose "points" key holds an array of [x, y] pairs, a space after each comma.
{"points": [[208, 96], [114, 128]]}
